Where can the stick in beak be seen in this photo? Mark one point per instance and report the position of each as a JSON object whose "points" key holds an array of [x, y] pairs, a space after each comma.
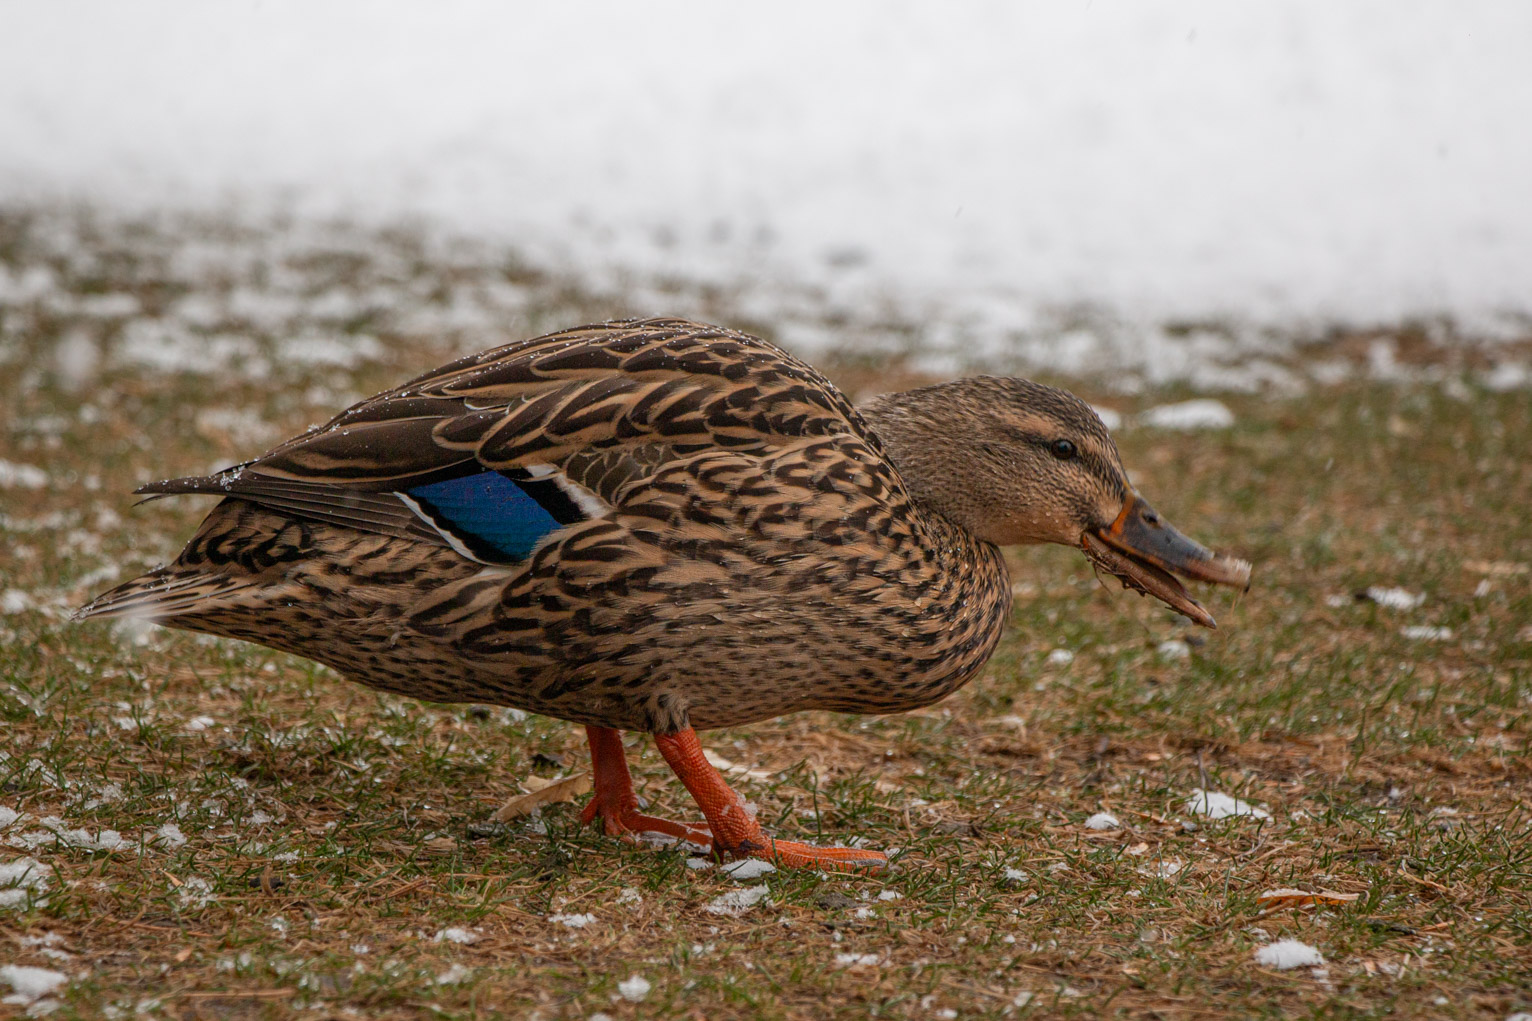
{"points": [[1145, 553]]}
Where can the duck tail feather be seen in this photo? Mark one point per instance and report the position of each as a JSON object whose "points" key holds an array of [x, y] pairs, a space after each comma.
{"points": [[161, 594]]}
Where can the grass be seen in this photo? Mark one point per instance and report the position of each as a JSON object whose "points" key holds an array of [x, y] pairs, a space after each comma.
{"points": [[331, 833]]}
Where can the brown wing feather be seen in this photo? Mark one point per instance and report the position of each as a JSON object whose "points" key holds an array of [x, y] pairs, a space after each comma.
{"points": [[379, 513], [684, 385]]}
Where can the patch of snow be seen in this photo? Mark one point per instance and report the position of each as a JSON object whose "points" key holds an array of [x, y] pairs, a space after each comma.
{"points": [[197, 892], [1215, 805], [1426, 633], [8, 816], [737, 902], [1164, 869], [48, 946], [698, 864], [1016, 875], [1103, 821], [169, 836], [21, 476], [1287, 954], [1061, 657], [1203, 413], [56, 832], [199, 723], [14, 600], [30, 984], [634, 989], [138, 632], [466, 937], [1109, 418], [338, 352], [105, 795], [453, 975], [1507, 376], [1174, 648], [242, 424], [890, 895], [630, 895], [164, 345], [858, 960], [748, 869], [1394, 598], [22, 880], [572, 921]]}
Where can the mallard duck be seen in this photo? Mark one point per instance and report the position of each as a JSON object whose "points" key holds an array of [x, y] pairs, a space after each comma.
{"points": [[661, 526]]}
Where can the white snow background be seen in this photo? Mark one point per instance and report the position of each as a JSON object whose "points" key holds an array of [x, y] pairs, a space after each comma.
{"points": [[984, 164]]}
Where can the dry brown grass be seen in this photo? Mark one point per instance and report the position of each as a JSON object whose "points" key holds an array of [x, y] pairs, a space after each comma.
{"points": [[321, 818]]}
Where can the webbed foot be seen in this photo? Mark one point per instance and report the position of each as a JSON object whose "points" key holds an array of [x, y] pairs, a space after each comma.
{"points": [[734, 829]]}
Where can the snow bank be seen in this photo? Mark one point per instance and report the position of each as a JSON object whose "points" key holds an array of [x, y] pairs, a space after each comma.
{"points": [[987, 163]]}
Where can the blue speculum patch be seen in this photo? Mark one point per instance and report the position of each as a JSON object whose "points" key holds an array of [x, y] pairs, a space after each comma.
{"points": [[488, 510]]}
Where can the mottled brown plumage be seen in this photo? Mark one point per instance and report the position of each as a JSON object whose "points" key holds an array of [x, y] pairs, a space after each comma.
{"points": [[735, 541]]}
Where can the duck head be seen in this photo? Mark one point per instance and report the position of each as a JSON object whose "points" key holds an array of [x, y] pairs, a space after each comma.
{"points": [[1016, 462]]}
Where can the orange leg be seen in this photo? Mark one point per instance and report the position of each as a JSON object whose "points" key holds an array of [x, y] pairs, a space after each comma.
{"points": [[735, 830], [614, 801]]}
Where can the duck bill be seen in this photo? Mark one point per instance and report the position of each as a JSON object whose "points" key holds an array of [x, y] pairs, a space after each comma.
{"points": [[1142, 550]]}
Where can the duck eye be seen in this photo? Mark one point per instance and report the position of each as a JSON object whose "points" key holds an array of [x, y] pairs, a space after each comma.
{"points": [[1064, 450]]}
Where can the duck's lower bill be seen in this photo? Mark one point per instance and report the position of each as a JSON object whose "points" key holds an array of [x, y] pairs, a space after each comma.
{"points": [[1143, 551]]}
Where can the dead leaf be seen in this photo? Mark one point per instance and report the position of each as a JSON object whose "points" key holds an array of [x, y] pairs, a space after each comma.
{"points": [[1276, 900], [723, 765], [1496, 568], [959, 828], [545, 792]]}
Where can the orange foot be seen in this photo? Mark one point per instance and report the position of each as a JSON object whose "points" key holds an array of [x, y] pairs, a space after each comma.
{"points": [[615, 802], [735, 831]]}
